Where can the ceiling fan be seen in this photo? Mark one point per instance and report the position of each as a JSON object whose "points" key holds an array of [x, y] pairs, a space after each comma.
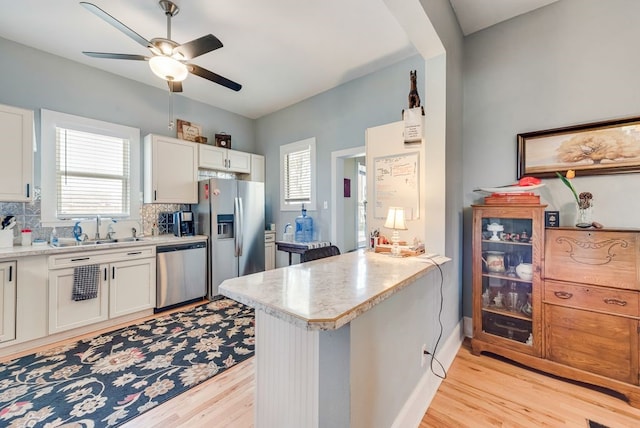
{"points": [[169, 58]]}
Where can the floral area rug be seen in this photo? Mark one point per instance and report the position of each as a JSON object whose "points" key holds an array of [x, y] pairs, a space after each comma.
{"points": [[109, 379]]}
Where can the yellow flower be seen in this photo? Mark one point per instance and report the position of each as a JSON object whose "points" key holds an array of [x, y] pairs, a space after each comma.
{"points": [[570, 174]]}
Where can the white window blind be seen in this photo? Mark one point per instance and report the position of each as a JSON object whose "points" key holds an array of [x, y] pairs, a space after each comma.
{"points": [[92, 174], [297, 177]]}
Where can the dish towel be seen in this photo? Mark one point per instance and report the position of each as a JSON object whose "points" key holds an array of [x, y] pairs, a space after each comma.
{"points": [[85, 282]]}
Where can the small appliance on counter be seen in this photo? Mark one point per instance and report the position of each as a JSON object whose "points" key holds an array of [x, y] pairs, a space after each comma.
{"points": [[183, 223]]}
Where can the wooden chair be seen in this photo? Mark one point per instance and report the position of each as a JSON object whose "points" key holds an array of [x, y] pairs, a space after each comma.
{"points": [[319, 253]]}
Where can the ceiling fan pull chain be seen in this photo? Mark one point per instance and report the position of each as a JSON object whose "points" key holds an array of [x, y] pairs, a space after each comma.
{"points": [[170, 111]]}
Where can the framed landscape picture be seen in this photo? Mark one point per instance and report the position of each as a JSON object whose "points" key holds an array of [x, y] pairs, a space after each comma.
{"points": [[607, 147]]}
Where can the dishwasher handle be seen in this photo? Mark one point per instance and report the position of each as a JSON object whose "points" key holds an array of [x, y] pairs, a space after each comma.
{"points": [[181, 247]]}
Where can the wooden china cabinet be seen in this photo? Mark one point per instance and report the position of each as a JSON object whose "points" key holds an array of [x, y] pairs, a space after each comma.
{"points": [[577, 315], [507, 294]]}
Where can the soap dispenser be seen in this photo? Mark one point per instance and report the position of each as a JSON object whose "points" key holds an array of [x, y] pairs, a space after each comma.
{"points": [[304, 227]]}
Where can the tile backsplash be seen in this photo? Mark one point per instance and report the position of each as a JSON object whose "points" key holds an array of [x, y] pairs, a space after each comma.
{"points": [[28, 216]]}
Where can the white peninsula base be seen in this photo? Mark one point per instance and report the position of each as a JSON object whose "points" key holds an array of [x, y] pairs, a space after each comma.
{"points": [[338, 340]]}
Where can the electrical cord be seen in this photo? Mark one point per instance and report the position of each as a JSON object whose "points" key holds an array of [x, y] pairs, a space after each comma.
{"points": [[435, 348]]}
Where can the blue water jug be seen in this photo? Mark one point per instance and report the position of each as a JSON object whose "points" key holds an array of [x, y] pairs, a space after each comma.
{"points": [[304, 227]]}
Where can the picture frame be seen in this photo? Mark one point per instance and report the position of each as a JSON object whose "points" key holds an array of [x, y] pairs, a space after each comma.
{"points": [[223, 140], [188, 131], [605, 147]]}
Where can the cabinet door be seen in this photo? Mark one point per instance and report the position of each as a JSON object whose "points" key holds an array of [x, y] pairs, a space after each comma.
{"points": [[66, 313], [238, 161], [172, 171], [269, 256], [595, 342], [7, 301], [132, 286], [507, 244], [211, 157], [16, 146], [257, 168]]}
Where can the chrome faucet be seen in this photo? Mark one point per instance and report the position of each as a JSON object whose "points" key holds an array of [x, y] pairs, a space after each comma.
{"points": [[97, 227], [110, 231]]}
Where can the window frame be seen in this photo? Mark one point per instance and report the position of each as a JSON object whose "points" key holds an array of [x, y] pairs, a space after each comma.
{"points": [[49, 121], [286, 149]]}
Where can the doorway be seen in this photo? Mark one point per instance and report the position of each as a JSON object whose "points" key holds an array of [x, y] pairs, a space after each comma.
{"points": [[348, 221]]}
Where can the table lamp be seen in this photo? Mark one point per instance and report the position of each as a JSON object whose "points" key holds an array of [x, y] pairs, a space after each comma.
{"points": [[395, 221]]}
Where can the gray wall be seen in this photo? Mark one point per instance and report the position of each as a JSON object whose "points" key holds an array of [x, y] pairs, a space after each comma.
{"points": [[34, 79], [571, 62], [338, 119]]}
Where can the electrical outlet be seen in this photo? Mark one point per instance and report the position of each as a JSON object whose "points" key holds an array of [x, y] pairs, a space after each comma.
{"points": [[326, 205], [423, 355]]}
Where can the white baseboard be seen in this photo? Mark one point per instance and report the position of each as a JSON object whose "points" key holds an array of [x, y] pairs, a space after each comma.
{"points": [[416, 406], [468, 326]]}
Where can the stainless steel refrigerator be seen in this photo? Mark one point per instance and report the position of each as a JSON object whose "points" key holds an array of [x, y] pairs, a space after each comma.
{"points": [[231, 214]]}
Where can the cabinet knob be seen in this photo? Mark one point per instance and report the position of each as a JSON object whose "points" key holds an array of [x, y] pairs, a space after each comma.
{"points": [[563, 295]]}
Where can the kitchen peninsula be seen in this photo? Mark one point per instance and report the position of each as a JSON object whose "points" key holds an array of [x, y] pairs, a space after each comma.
{"points": [[338, 339]]}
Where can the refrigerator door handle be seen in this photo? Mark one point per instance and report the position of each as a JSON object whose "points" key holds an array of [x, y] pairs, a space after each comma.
{"points": [[240, 235], [236, 226]]}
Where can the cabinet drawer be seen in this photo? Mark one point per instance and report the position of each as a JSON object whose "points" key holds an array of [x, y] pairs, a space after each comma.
{"points": [[269, 237], [619, 302], [106, 256], [593, 257]]}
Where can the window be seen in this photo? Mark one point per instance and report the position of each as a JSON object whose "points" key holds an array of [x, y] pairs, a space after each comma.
{"points": [[89, 168], [297, 175]]}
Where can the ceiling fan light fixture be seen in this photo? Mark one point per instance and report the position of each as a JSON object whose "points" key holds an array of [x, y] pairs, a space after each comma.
{"points": [[168, 68]]}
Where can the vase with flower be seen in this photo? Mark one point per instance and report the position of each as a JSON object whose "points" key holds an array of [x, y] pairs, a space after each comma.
{"points": [[584, 201]]}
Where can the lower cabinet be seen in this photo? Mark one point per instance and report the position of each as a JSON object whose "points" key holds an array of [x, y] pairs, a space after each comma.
{"points": [[64, 312], [7, 301], [269, 250], [127, 284]]}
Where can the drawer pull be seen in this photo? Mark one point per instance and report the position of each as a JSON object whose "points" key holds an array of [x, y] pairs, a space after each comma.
{"points": [[563, 295], [134, 253], [611, 301], [80, 259]]}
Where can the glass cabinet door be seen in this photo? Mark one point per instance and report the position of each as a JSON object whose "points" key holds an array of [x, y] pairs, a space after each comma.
{"points": [[506, 253]]}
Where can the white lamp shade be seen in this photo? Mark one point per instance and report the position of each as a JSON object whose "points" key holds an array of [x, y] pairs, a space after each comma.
{"points": [[168, 68], [395, 219]]}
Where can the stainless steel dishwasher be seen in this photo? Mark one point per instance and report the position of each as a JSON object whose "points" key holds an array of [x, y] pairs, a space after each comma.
{"points": [[181, 274]]}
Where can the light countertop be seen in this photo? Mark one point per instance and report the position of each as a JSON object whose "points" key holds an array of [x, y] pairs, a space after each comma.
{"points": [[37, 250], [328, 293]]}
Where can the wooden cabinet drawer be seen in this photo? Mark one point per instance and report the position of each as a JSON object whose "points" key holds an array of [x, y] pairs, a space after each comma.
{"points": [[619, 302], [606, 258]]}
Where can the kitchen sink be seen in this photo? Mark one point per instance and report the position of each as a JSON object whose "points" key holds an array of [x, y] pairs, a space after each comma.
{"points": [[69, 242]]}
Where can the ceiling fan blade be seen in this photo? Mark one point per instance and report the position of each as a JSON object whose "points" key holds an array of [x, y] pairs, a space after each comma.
{"points": [[216, 78], [114, 22], [198, 46], [115, 56], [174, 86]]}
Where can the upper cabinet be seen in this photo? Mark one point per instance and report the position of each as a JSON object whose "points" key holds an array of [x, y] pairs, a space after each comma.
{"points": [[221, 159], [170, 170], [16, 162]]}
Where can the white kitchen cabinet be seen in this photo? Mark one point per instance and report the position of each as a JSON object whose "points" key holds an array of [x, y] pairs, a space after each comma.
{"points": [[7, 301], [170, 170], [132, 286], [127, 285], [64, 312], [269, 250], [221, 159], [257, 168], [16, 146]]}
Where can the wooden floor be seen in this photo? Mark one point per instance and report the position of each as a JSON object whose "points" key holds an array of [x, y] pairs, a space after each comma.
{"points": [[479, 391]]}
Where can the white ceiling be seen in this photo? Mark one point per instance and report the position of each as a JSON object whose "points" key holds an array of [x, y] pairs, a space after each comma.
{"points": [[281, 51]]}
